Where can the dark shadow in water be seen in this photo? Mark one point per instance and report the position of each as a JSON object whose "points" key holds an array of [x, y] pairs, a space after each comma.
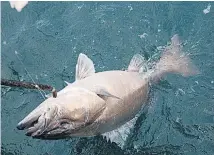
{"points": [[100, 146], [97, 145], [5, 151]]}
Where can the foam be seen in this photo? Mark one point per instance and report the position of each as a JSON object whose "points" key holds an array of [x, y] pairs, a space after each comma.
{"points": [[207, 10]]}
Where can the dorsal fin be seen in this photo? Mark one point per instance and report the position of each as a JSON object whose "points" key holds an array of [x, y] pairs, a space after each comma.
{"points": [[136, 63], [84, 67]]}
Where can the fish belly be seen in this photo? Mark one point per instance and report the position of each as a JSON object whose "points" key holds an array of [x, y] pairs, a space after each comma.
{"points": [[130, 87]]}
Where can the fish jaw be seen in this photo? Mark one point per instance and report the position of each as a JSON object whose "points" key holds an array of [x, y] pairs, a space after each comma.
{"points": [[64, 116]]}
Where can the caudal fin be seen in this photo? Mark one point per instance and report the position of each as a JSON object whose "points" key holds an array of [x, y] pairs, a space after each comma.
{"points": [[173, 60]]}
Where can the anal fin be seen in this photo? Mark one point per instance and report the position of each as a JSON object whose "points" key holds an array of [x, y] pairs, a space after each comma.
{"points": [[120, 135]]}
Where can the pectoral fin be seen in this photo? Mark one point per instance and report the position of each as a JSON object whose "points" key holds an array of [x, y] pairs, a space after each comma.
{"points": [[84, 67], [102, 92]]}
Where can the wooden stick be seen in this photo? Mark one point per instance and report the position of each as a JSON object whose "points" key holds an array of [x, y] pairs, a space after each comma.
{"points": [[28, 85]]}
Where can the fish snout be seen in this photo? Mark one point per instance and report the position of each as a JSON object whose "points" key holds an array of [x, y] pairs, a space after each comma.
{"points": [[37, 121], [30, 119], [20, 126]]}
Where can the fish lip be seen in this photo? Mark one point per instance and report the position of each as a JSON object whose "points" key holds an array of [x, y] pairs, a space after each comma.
{"points": [[35, 130], [20, 126], [36, 127], [54, 131], [39, 132], [57, 129], [45, 131], [25, 125], [49, 136]]}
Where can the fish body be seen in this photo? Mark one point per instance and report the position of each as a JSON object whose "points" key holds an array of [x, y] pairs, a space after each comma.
{"points": [[103, 102], [131, 90]]}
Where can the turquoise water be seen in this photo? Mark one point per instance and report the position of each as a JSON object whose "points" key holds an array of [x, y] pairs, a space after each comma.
{"points": [[49, 37]]}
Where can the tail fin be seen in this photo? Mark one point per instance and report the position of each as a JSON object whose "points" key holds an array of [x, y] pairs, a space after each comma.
{"points": [[173, 60]]}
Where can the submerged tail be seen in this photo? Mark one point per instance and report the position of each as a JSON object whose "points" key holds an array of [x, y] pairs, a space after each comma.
{"points": [[173, 60]]}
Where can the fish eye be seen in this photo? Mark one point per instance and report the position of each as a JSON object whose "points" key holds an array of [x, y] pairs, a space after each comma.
{"points": [[39, 132], [64, 122]]}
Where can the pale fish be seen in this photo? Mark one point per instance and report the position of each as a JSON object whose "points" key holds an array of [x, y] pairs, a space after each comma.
{"points": [[104, 103]]}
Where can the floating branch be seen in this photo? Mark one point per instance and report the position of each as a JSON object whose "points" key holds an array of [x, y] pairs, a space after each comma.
{"points": [[28, 85]]}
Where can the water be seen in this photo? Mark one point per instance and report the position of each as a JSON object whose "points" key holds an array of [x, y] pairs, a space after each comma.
{"points": [[49, 37]]}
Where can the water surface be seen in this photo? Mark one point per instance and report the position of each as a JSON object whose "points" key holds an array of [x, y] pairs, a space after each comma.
{"points": [[49, 36]]}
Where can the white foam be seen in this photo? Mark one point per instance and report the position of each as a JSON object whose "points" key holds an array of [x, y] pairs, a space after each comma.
{"points": [[207, 10], [209, 111], [143, 35], [193, 90], [41, 23], [178, 119], [180, 92], [196, 82], [130, 8], [161, 48]]}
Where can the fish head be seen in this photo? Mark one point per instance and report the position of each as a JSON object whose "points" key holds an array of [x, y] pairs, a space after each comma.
{"points": [[63, 116]]}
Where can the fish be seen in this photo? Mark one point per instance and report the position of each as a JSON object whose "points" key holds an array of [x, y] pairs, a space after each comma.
{"points": [[18, 5], [104, 103]]}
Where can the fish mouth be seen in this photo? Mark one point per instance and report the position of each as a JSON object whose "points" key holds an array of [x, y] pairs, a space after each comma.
{"points": [[47, 129], [45, 123], [34, 126], [49, 122]]}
